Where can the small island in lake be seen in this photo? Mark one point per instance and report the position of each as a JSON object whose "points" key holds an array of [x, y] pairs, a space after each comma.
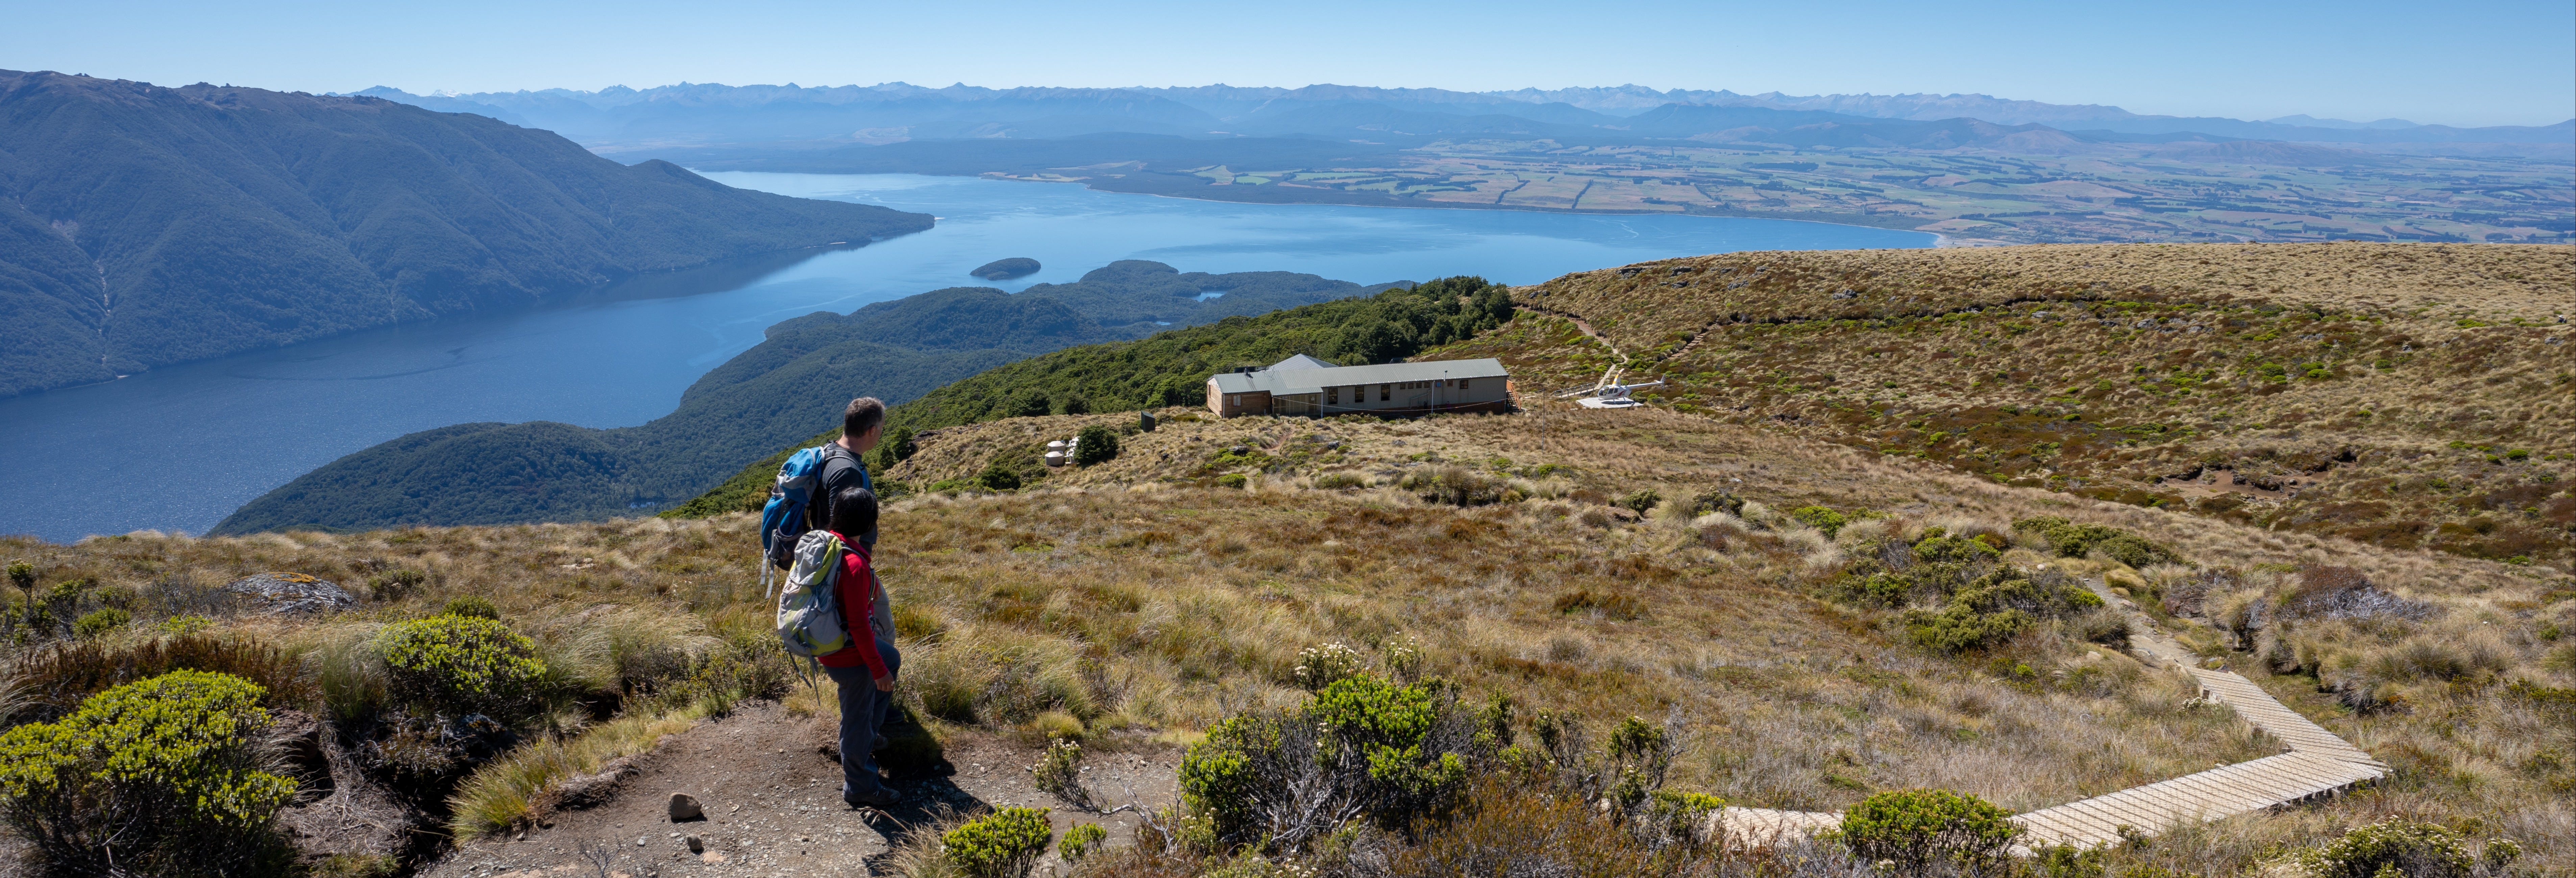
{"points": [[1005, 269]]}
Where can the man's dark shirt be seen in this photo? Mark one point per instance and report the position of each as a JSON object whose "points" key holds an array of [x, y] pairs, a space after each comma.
{"points": [[841, 470]]}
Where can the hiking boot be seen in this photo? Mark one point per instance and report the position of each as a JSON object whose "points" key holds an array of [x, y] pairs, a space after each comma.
{"points": [[878, 799]]}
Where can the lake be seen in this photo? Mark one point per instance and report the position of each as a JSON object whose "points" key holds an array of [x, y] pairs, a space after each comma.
{"points": [[179, 448]]}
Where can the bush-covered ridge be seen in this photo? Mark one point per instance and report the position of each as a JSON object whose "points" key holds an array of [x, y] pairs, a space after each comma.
{"points": [[219, 219]]}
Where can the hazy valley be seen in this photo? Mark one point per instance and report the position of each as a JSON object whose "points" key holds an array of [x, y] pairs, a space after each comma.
{"points": [[1971, 167]]}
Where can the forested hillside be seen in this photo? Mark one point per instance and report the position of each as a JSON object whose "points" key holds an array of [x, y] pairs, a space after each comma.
{"points": [[1170, 368], [142, 226], [791, 385]]}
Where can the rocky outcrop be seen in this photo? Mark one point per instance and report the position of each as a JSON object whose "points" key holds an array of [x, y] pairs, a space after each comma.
{"points": [[291, 593]]}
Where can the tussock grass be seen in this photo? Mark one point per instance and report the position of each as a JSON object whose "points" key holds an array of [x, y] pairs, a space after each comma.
{"points": [[510, 791], [2400, 394], [1135, 600]]}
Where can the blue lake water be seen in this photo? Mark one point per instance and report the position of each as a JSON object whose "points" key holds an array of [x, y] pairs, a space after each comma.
{"points": [[182, 447]]}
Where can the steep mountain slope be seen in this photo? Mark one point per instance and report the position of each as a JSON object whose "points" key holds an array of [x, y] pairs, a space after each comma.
{"points": [[142, 226], [788, 387], [2410, 395]]}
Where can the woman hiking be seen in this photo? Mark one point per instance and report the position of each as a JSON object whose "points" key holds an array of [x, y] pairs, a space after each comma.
{"points": [[865, 670]]}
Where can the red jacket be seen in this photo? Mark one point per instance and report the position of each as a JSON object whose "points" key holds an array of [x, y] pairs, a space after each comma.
{"points": [[858, 601]]}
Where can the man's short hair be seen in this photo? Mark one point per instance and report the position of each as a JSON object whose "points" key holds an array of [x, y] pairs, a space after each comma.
{"points": [[854, 512], [864, 414]]}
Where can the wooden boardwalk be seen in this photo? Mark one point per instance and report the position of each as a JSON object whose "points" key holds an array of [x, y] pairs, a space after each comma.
{"points": [[2258, 708], [2318, 764], [2226, 791]]}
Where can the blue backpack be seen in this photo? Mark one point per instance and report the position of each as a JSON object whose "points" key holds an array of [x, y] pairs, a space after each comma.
{"points": [[788, 514]]}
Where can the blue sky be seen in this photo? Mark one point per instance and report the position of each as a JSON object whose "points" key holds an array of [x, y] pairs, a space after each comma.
{"points": [[2478, 63]]}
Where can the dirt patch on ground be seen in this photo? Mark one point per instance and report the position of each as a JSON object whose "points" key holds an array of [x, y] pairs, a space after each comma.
{"points": [[773, 805]]}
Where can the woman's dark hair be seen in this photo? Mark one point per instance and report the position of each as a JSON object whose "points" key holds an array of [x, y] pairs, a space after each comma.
{"points": [[854, 511]]}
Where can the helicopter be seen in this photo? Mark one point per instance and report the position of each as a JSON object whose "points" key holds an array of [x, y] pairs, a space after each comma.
{"points": [[1616, 396]]}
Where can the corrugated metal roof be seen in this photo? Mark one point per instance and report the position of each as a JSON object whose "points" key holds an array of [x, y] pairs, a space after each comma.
{"points": [[1235, 382], [1282, 382]]}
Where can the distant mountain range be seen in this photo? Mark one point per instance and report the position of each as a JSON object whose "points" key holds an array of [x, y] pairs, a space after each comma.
{"points": [[619, 119], [787, 388], [142, 226]]}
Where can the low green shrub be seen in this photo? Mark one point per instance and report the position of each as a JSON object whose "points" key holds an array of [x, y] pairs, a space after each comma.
{"points": [[1367, 720], [1081, 841], [1341, 481], [472, 606], [1362, 746], [157, 777], [998, 476], [1095, 444], [1994, 607], [1919, 828], [1641, 501], [1639, 755], [1674, 817], [1003, 844], [1956, 550], [1821, 518], [454, 665], [100, 622], [1232, 480], [2077, 540], [2395, 846]]}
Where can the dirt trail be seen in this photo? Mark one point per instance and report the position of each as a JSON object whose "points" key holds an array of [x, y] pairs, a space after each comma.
{"points": [[773, 805]]}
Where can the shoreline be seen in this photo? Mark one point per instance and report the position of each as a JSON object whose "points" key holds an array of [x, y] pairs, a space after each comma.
{"points": [[1088, 183]]}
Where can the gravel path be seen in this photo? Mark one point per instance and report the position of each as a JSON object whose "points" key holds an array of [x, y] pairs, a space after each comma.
{"points": [[773, 806]]}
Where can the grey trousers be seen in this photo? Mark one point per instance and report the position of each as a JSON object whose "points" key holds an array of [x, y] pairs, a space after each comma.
{"points": [[863, 716]]}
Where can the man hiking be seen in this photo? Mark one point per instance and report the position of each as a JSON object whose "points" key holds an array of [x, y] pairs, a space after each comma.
{"points": [[865, 670], [862, 424], [843, 502]]}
